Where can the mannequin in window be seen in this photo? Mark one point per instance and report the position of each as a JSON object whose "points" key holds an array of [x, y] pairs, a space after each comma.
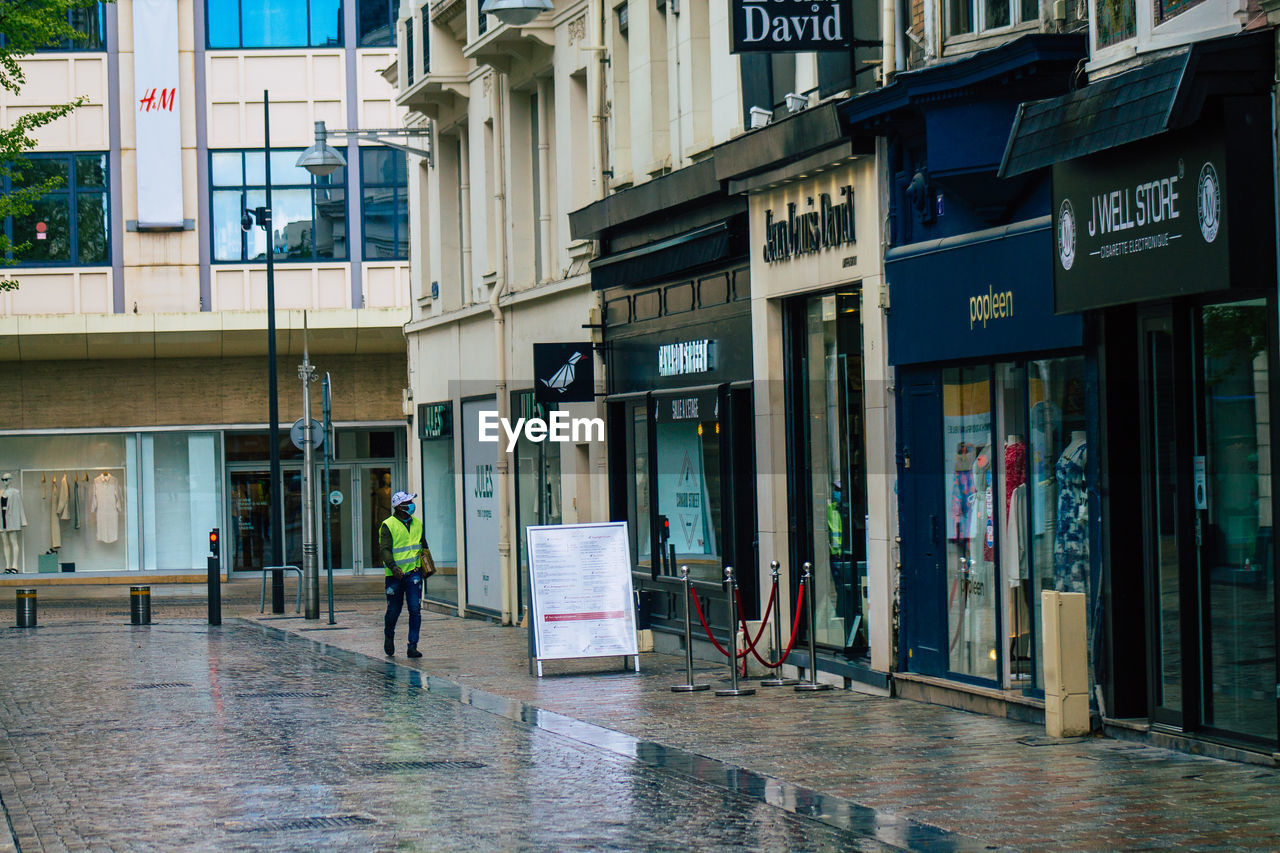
{"points": [[1071, 542], [12, 519]]}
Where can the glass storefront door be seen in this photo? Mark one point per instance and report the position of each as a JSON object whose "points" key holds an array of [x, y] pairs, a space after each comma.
{"points": [[1208, 519], [1232, 496]]}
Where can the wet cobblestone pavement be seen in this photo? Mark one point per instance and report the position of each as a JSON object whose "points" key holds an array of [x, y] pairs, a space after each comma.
{"points": [[241, 737], [587, 757]]}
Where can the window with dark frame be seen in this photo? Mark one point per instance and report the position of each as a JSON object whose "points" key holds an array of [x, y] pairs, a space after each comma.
{"points": [[384, 205], [309, 218], [90, 22], [376, 23], [70, 224], [235, 24]]}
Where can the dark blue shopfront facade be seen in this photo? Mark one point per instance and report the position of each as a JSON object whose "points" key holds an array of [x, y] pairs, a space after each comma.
{"points": [[994, 395]]}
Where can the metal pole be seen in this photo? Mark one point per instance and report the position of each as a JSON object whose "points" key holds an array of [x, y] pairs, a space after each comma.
{"points": [[733, 690], [325, 402], [777, 680], [273, 396], [812, 683], [215, 592], [688, 686], [310, 572]]}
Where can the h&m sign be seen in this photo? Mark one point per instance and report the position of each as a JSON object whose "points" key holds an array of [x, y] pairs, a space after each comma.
{"points": [[829, 226], [789, 26]]}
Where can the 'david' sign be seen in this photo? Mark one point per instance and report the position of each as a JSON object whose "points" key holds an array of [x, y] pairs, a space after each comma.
{"points": [[790, 26]]}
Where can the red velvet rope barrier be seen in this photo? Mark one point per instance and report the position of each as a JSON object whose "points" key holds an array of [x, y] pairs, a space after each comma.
{"points": [[698, 606], [746, 633], [795, 630]]}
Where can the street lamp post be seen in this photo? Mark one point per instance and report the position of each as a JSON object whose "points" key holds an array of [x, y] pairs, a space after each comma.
{"points": [[262, 215]]}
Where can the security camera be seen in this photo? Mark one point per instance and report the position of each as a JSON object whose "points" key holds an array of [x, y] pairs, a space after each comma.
{"points": [[246, 221]]}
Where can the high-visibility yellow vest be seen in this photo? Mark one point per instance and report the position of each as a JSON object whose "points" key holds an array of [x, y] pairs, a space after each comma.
{"points": [[835, 527], [406, 543]]}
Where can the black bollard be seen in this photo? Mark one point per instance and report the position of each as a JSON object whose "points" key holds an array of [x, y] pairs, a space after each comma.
{"points": [[26, 614], [215, 593], [140, 605]]}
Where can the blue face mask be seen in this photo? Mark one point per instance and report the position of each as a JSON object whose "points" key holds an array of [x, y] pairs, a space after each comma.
{"points": [[409, 508], [835, 496]]}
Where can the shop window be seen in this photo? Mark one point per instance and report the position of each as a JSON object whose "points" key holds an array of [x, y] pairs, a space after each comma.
{"points": [[385, 204], [640, 499], [89, 21], [538, 485], [647, 305], [1115, 20], [273, 23], [309, 218], [69, 222], [438, 500], [256, 446], [829, 437], [181, 497], [680, 298], [425, 17], [713, 290], [79, 498], [687, 467], [376, 22], [617, 311]]}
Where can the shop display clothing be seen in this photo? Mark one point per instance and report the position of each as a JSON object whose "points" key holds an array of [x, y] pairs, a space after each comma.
{"points": [[105, 505], [64, 499], [12, 516], [962, 489], [1015, 468], [80, 501], [57, 507], [1014, 551], [1071, 544]]}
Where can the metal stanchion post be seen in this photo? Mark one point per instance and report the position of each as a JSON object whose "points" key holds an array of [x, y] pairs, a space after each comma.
{"points": [[777, 680], [734, 690], [140, 605], [26, 610], [688, 686], [812, 683]]}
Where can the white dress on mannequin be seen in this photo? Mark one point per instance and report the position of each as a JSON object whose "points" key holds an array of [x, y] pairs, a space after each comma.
{"points": [[105, 505]]}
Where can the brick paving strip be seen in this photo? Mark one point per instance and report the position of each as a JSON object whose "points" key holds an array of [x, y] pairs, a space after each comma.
{"points": [[911, 766]]}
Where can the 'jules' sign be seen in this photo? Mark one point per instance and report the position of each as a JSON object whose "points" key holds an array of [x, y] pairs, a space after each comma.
{"points": [[789, 26], [828, 226]]}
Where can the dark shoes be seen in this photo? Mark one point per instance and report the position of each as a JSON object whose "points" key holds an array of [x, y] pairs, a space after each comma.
{"points": [[389, 646], [413, 652]]}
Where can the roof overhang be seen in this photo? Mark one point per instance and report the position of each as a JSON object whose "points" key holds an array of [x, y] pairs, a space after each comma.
{"points": [[1164, 94]]}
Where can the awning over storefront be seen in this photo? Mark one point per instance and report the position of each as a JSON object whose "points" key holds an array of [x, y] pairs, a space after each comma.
{"points": [[665, 258], [1166, 94]]}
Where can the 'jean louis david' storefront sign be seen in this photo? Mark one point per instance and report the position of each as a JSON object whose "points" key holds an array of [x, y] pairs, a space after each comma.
{"points": [[823, 224], [1145, 221], [789, 26]]}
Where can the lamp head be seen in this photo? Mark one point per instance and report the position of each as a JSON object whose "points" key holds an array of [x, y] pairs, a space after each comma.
{"points": [[321, 159], [246, 222], [516, 13]]}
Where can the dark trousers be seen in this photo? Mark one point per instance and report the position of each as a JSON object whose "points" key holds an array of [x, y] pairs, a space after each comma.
{"points": [[407, 588]]}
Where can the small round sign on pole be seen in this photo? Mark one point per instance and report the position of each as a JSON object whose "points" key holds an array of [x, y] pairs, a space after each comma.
{"points": [[335, 497], [299, 427]]}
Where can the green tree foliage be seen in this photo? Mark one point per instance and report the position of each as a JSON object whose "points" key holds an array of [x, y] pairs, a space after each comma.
{"points": [[26, 26]]}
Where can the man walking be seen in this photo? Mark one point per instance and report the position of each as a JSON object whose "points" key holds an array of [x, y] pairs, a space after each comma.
{"points": [[402, 547]]}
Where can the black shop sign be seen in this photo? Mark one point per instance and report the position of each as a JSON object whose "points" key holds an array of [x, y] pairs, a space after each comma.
{"points": [[1146, 221], [788, 26], [563, 373]]}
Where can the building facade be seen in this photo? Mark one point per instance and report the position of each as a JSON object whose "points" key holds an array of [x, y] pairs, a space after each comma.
{"points": [[518, 143], [135, 343]]}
